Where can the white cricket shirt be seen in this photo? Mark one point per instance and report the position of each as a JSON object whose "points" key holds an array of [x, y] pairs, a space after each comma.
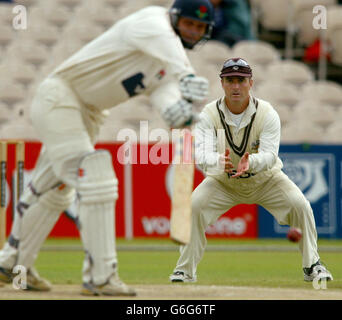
{"points": [[140, 54], [207, 156]]}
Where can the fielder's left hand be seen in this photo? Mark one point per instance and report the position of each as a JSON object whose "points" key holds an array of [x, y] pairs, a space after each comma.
{"points": [[243, 166]]}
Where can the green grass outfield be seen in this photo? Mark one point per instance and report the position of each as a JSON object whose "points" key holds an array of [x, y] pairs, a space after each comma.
{"points": [[263, 263]]}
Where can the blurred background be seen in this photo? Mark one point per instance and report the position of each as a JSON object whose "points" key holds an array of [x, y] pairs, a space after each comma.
{"points": [[295, 67]]}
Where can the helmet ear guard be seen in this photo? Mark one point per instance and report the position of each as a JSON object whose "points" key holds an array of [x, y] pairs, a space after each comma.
{"points": [[200, 10]]}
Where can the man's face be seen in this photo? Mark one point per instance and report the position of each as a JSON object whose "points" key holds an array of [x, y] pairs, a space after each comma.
{"points": [[191, 30], [216, 3], [237, 88]]}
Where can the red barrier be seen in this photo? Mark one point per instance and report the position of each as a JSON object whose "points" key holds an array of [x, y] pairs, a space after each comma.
{"points": [[143, 207]]}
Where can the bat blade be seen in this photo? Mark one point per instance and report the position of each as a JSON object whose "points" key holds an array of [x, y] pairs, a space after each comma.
{"points": [[183, 178]]}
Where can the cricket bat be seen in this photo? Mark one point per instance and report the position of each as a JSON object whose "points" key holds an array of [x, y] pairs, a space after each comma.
{"points": [[183, 180]]}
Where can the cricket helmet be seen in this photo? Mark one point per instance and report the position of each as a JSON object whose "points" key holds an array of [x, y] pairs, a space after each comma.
{"points": [[200, 10]]}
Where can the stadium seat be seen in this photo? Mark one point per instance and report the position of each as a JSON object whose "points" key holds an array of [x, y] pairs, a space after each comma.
{"points": [[302, 131], [327, 92], [27, 3], [6, 14], [29, 52], [56, 16], [273, 14], [43, 35], [278, 93], [256, 52], [21, 111], [129, 7], [6, 36], [314, 111], [291, 71], [63, 50], [334, 33], [334, 18], [50, 66], [333, 133], [94, 13], [212, 51], [336, 54], [284, 112], [18, 129], [69, 4], [115, 4], [303, 17], [85, 32], [259, 74], [4, 113], [21, 74], [11, 94]]}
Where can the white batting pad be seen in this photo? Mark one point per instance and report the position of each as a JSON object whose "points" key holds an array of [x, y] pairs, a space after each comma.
{"points": [[97, 191], [37, 221], [38, 215]]}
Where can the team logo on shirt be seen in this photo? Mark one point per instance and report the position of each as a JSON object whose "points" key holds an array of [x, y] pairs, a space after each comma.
{"points": [[255, 145], [134, 85], [202, 12], [161, 74]]}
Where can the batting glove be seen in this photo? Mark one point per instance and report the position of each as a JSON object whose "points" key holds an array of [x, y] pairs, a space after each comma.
{"points": [[179, 114], [193, 88]]}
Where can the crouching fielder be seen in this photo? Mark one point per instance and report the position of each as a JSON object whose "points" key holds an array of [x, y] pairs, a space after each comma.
{"points": [[237, 143], [141, 54]]}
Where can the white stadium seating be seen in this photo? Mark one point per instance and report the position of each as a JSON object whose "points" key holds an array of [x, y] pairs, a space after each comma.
{"points": [[309, 110], [291, 71], [315, 112], [256, 52], [278, 93], [334, 33], [333, 133], [327, 92], [301, 131], [303, 18]]}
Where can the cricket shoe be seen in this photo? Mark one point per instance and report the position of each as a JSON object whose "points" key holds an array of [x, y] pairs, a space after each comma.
{"points": [[180, 276], [33, 281], [317, 271], [114, 287], [5, 276]]}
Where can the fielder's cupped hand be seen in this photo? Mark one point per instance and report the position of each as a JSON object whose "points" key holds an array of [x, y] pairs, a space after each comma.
{"points": [[243, 166], [226, 161]]}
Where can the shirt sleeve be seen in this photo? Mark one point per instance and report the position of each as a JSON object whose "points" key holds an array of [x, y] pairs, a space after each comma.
{"points": [[269, 144], [206, 155], [157, 39], [165, 95]]}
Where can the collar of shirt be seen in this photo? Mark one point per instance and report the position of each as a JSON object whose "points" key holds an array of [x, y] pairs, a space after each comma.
{"points": [[246, 119]]}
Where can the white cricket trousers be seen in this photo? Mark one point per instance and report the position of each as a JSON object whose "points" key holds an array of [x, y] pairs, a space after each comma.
{"points": [[279, 195], [68, 130]]}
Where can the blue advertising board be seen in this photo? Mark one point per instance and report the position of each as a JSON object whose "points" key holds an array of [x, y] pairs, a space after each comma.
{"points": [[317, 171]]}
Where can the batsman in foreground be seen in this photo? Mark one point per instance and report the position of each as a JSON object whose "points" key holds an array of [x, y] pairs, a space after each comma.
{"points": [[141, 54], [237, 143]]}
